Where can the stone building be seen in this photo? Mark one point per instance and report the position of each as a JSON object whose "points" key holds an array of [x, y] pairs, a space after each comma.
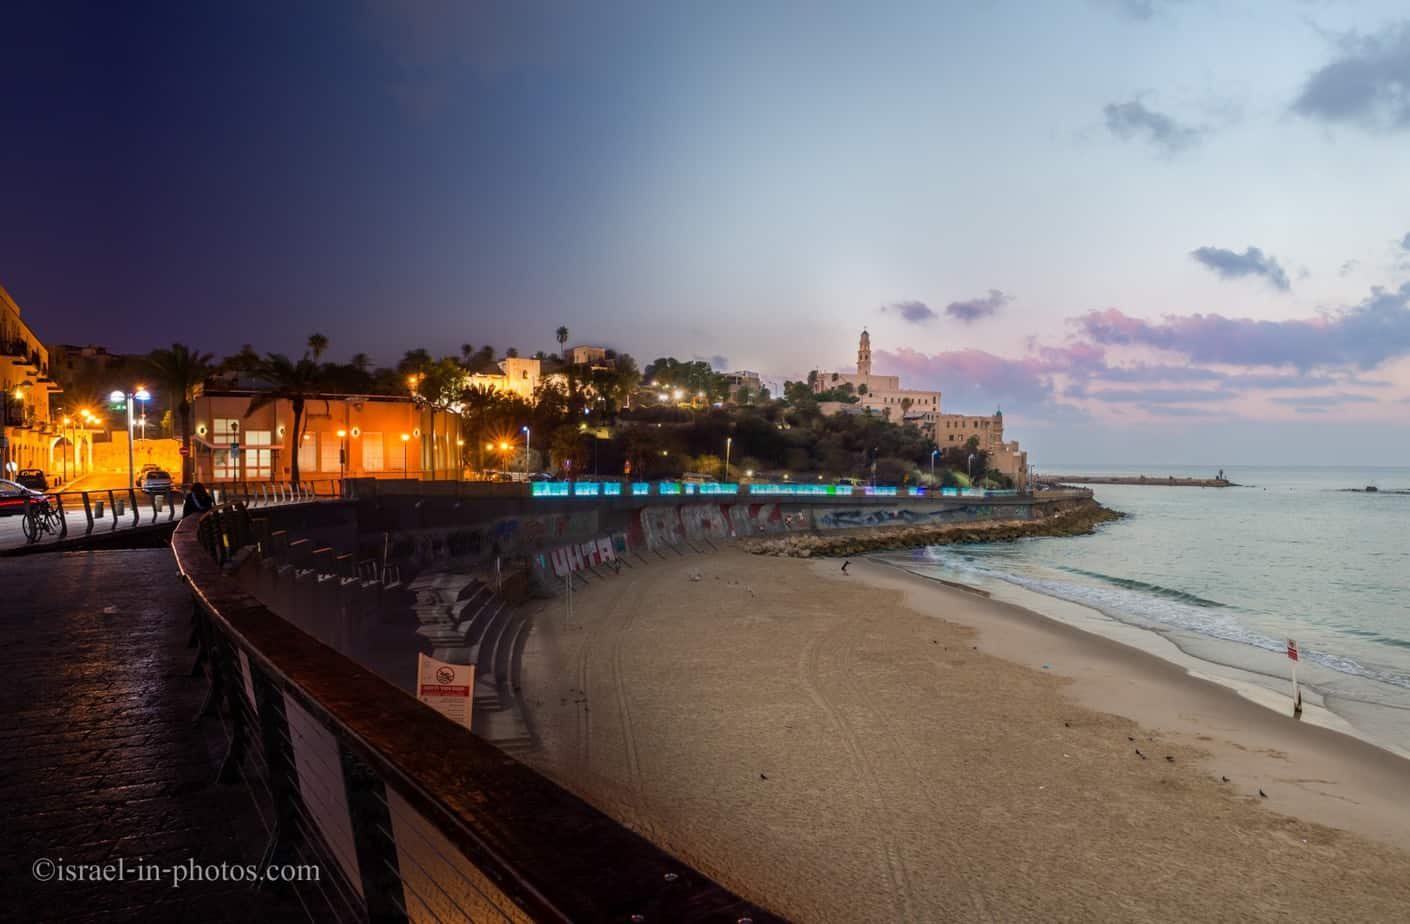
{"points": [[881, 394]]}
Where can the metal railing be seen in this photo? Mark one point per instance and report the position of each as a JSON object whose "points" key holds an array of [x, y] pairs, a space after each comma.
{"points": [[112, 509], [406, 815]]}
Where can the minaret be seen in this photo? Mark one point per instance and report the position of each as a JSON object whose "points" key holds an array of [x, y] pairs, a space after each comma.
{"points": [[864, 354]]}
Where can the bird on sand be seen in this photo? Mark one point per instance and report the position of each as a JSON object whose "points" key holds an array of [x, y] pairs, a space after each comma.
{"points": [[762, 777], [1169, 758], [1139, 754], [1129, 738], [1066, 724], [1224, 778], [1263, 794]]}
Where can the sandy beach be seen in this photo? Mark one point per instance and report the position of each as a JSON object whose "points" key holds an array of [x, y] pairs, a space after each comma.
{"points": [[877, 746]]}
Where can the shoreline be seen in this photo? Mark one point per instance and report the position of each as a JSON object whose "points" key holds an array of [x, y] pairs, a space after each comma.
{"points": [[878, 745], [1328, 735], [1262, 688]]}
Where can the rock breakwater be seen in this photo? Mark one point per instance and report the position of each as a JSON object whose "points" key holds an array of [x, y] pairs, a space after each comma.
{"points": [[1077, 520]]}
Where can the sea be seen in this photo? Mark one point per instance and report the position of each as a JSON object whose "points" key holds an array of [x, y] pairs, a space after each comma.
{"points": [[1220, 579]]}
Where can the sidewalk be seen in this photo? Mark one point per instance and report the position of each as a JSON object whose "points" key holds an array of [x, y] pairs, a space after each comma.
{"points": [[100, 760]]}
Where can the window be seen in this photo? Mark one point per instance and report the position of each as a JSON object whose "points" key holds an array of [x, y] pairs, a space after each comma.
{"points": [[328, 458], [308, 454], [372, 452], [258, 455]]}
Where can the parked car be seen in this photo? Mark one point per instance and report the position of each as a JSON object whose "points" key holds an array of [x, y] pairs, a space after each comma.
{"points": [[12, 497], [154, 480], [33, 478]]}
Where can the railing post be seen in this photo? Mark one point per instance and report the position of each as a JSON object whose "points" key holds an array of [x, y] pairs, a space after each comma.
{"points": [[376, 852], [63, 517], [136, 513], [88, 512], [112, 505]]}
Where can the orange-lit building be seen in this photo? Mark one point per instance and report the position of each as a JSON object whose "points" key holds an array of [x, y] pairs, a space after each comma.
{"points": [[359, 436], [31, 433]]}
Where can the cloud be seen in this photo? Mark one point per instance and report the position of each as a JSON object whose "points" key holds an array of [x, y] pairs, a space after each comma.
{"points": [[1332, 400], [976, 308], [914, 311], [1230, 264], [1368, 84], [1133, 121], [1405, 241], [1162, 395], [719, 363], [1140, 10], [1365, 335], [972, 380], [1349, 265]]}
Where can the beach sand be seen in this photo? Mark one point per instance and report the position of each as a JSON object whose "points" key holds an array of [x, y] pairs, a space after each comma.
{"points": [[880, 747]]}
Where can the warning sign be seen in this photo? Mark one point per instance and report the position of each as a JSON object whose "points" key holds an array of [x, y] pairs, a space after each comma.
{"points": [[447, 688]]}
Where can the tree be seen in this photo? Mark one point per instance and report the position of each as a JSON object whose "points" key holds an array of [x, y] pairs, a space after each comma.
{"points": [[317, 343], [512, 353], [294, 382], [562, 335], [414, 362], [179, 370], [247, 361]]}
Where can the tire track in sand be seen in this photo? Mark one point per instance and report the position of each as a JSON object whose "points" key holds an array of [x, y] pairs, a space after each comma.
{"points": [[899, 754], [892, 860]]}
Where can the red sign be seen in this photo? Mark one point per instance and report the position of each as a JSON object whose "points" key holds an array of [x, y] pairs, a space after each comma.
{"points": [[184, 451], [1292, 650]]}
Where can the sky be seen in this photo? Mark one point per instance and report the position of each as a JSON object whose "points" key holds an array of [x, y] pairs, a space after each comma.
{"points": [[1151, 231]]}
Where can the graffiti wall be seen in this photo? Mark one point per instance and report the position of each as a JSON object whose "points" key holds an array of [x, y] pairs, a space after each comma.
{"points": [[579, 555]]}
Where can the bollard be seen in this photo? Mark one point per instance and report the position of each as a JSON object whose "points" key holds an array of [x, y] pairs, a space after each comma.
{"points": [[118, 507], [98, 509]]}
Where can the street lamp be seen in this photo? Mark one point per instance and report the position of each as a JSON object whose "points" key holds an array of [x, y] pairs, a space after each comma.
{"points": [[120, 397], [460, 459], [405, 440], [528, 438], [18, 395], [342, 454], [969, 467], [729, 441], [933, 454]]}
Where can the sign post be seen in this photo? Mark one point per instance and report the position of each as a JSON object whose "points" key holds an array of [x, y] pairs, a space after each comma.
{"points": [[1297, 694], [447, 688]]}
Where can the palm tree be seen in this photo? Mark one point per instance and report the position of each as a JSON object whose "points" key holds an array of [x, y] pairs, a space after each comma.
{"points": [[294, 382], [562, 340], [180, 369], [317, 343], [361, 362], [467, 350]]}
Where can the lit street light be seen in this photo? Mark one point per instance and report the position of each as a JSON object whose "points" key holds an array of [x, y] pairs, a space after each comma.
{"points": [[405, 441], [729, 441], [528, 437], [342, 454], [119, 397], [933, 454], [970, 468]]}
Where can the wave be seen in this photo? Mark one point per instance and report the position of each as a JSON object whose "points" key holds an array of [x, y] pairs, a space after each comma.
{"points": [[1160, 609]]}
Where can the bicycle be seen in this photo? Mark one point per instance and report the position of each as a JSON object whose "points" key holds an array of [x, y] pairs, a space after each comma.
{"points": [[40, 517]]}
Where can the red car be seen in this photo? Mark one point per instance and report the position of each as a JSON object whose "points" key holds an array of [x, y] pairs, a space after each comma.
{"points": [[12, 497]]}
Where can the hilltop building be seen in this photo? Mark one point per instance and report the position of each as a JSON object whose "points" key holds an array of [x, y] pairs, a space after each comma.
{"points": [[883, 394], [880, 394]]}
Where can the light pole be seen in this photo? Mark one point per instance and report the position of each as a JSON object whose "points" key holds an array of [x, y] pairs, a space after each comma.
{"points": [[969, 467], [127, 397], [405, 441], [68, 425], [19, 400], [729, 441], [933, 454], [343, 454], [528, 440], [459, 459]]}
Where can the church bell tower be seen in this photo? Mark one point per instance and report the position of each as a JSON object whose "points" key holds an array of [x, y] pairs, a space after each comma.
{"points": [[864, 354]]}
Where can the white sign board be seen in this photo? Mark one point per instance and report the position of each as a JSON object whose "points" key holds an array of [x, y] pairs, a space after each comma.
{"points": [[447, 688]]}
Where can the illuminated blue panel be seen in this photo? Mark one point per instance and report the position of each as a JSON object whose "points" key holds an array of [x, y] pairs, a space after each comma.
{"points": [[612, 488], [641, 487], [719, 489], [549, 489], [668, 487], [587, 489]]}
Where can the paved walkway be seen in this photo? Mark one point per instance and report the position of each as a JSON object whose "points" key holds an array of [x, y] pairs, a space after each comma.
{"points": [[100, 760]]}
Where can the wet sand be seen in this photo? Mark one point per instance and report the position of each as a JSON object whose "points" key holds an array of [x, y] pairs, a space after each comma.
{"points": [[881, 747]]}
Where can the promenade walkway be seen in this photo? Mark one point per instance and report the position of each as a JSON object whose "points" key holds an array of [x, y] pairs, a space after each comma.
{"points": [[100, 760]]}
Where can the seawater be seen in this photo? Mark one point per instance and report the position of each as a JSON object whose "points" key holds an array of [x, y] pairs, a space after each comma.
{"points": [[1228, 575]]}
